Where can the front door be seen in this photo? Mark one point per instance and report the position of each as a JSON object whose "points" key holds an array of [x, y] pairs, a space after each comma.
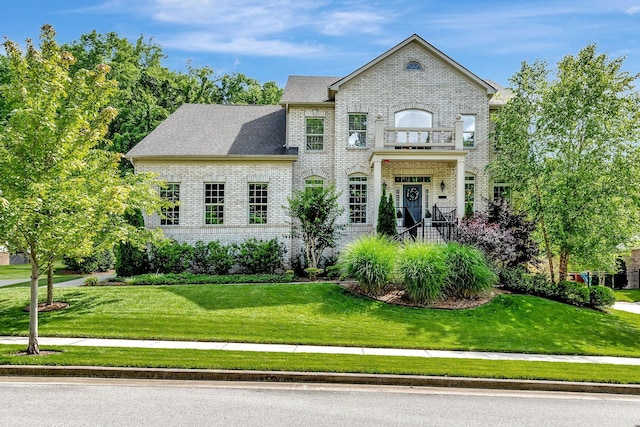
{"points": [[412, 202]]}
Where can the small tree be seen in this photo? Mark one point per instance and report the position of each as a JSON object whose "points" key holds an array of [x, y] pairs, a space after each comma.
{"points": [[317, 210], [386, 215], [60, 194], [569, 148]]}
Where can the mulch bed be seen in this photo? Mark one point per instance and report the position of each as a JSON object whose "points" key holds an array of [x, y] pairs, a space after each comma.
{"points": [[43, 307], [396, 296]]}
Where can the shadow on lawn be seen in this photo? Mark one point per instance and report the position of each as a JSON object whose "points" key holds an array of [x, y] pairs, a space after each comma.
{"points": [[229, 297], [14, 320]]}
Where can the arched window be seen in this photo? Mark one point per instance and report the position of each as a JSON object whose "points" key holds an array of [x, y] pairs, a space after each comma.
{"points": [[413, 119], [413, 65], [313, 182]]}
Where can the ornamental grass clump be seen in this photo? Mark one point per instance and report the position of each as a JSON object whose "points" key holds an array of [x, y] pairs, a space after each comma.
{"points": [[424, 271], [469, 271], [370, 260]]}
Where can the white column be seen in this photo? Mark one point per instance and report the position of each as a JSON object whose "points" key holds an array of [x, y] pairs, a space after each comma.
{"points": [[377, 189], [379, 142], [460, 188], [459, 133]]}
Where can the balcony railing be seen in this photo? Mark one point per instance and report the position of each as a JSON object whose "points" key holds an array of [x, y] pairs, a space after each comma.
{"points": [[395, 138]]}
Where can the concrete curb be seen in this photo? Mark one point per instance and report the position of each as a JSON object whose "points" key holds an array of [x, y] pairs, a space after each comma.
{"points": [[314, 377]]}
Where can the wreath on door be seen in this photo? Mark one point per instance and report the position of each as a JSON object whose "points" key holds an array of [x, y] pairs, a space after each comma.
{"points": [[412, 194]]}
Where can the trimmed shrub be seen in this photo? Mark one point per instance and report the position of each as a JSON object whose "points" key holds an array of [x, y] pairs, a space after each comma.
{"points": [[469, 272], [601, 297], [170, 256], [513, 278], [211, 258], [130, 260], [203, 279], [98, 262], [258, 256], [503, 235], [573, 293], [424, 271], [370, 260]]}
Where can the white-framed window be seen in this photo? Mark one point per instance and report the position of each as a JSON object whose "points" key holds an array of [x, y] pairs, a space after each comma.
{"points": [[171, 215], [500, 191], [413, 119], [469, 130], [469, 192], [258, 203], [357, 130], [213, 203], [357, 199], [315, 133]]}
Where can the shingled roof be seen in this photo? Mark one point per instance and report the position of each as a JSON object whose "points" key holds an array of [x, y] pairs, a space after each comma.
{"points": [[307, 90], [206, 130]]}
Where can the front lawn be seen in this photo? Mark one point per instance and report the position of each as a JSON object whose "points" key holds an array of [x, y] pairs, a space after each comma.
{"points": [[323, 314], [309, 362], [628, 295], [23, 271]]}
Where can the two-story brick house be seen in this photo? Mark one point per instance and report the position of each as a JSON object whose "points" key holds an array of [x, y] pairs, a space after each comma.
{"points": [[412, 120]]}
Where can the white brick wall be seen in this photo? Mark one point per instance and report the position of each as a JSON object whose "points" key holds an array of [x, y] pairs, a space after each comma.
{"points": [[191, 175], [383, 89]]}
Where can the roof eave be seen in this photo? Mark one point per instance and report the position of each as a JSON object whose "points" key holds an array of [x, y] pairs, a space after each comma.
{"points": [[234, 157], [308, 104]]}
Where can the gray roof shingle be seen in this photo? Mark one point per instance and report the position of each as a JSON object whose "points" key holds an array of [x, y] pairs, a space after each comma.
{"points": [[307, 89], [217, 130]]}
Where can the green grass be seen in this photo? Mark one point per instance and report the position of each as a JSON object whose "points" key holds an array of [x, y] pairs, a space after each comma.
{"points": [[630, 295], [211, 359], [23, 271], [42, 282], [324, 314]]}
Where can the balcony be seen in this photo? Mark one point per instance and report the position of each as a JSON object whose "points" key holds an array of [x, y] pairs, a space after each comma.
{"points": [[397, 138]]}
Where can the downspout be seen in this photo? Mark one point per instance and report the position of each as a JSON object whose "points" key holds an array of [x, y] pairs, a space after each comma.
{"points": [[286, 121]]}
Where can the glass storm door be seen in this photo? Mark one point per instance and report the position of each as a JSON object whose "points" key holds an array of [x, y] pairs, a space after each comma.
{"points": [[412, 202]]}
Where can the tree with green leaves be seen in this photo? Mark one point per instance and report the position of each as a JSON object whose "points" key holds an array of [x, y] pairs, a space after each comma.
{"points": [[316, 210], [61, 194], [568, 145], [387, 224], [149, 92]]}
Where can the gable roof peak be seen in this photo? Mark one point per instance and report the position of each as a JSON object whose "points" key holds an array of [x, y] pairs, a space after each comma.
{"points": [[426, 45]]}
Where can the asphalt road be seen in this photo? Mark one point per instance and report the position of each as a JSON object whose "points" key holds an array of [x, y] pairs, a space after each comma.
{"points": [[85, 402]]}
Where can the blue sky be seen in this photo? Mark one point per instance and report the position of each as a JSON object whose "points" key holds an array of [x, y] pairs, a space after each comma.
{"points": [[272, 39]]}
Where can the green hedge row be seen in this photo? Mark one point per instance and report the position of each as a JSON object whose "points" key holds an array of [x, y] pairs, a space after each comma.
{"points": [[578, 294], [202, 279]]}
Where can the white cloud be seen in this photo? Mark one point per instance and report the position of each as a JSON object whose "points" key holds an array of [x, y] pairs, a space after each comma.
{"points": [[347, 22], [633, 10], [256, 27], [208, 42]]}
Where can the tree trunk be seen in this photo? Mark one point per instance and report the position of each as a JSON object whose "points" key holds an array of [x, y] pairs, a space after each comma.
{"points": [[50, 284], [564, 266], [547, 243], [547, 246], [33, 307]]}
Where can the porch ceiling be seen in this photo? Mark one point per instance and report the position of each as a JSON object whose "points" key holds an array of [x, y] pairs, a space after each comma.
{"points": [[417, 155]]}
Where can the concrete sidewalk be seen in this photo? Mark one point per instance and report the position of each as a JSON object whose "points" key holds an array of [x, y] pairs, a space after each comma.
{"points": [[631, 307], [288, 348], [80, 281]]}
